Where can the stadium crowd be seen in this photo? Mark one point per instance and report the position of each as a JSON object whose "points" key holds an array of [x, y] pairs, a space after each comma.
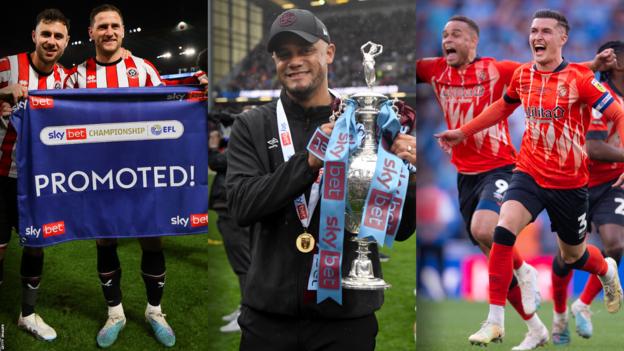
{"points": [[394, 66]]}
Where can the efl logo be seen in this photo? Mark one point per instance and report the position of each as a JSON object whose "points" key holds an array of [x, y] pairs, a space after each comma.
{"points": [[318, 144], [301, 210], [334, 180], [377, 209], [76, 133], [37, 102], [285, 139], [199, 220], [53, 229]]}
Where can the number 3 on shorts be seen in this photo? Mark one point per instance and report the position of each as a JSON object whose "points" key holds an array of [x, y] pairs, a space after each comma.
{"points": [[582, 223]]}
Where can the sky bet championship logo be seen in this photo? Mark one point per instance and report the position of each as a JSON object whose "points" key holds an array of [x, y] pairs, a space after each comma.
{"points": [[111, 132]]}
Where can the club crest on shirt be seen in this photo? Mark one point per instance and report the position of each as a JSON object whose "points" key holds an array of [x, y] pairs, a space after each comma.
{"points": [[132, 72], [598, 86], [562, 90], [481, 75], [57, 85]]}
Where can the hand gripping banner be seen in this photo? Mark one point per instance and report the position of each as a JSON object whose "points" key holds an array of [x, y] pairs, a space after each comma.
{"points": [[111, 163]]}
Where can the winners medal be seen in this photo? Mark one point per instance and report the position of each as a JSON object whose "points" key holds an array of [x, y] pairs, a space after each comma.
{"points": [[305, 242]]}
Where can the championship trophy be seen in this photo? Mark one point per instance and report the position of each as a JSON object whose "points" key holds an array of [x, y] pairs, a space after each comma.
{"points": [[362, 165]]}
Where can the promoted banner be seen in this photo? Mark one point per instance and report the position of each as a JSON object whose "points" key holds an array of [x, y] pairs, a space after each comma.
{"points": [[111, 163]]}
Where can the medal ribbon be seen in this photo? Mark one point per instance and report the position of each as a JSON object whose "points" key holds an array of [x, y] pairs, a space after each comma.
{"points": [[304, 212]]}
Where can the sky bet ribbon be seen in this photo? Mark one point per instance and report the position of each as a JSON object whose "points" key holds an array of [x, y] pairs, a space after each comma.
{"points": [[111, 163], [343, 140], [382, 210]]}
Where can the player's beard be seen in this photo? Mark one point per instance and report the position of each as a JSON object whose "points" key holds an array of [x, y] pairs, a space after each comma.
{"points": [[304, 93], [41, 55]]}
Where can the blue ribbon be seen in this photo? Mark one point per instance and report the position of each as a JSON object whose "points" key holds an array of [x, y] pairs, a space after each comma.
{"points": [[343, 140], [386, 196]]}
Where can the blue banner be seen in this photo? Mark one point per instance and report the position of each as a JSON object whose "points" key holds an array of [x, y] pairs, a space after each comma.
{"points": [[111, 163]]}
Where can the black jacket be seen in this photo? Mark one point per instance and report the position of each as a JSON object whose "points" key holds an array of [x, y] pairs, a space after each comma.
{"points": [[217, 162], [261, 189]]}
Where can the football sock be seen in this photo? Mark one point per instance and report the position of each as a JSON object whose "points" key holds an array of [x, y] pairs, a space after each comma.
{"points": [[31, 268], [153, 272], [109, 271], [514, 296], [517, 259], [496, 315], [500, 265], [534, 323], [591, 261], [592, 288], [560, 277]]}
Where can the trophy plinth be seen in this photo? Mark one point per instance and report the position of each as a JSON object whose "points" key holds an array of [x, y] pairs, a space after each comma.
{"points": [[361, 276]]}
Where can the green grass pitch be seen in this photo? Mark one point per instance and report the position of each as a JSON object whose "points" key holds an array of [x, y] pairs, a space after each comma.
{"points": [[200, 288], [447, 325]]}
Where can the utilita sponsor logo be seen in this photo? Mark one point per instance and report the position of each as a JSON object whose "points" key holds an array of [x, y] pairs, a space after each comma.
{"points": [[53, 229], [37, 102]]}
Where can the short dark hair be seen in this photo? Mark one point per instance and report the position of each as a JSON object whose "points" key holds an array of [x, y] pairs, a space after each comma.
{"points": [[104, 8], [472, 24], [52, 15], [557, 16], [618, 48]]}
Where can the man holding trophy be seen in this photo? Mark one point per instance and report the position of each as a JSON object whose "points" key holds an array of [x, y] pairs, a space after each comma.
{"points": [[295, 295]]}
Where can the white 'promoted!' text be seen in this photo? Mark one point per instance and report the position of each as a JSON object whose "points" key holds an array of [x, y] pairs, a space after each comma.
{"points": [[125, 178]]}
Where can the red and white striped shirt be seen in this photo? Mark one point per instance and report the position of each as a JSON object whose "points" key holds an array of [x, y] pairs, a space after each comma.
{"points": [[131, 72], [20, 69]]}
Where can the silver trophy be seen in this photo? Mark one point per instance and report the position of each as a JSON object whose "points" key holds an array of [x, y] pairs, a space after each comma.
{"points": [[362, 164]]}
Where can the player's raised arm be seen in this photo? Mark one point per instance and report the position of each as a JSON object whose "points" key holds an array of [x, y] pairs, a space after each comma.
{"points": [[603, 61], [495, 113], [599, 150]]}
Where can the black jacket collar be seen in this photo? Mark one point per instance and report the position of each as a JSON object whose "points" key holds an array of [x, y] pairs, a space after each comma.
{"points": [[294, 110]]}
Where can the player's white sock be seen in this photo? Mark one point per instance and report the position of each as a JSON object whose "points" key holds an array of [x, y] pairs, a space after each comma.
{"points": [[609, 275], [534, 323], [153, 309], [578, 304], [560, 317], [497, 315], [116, 310], [522, 267]]}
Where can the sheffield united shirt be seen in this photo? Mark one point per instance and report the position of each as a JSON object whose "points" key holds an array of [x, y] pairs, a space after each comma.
{"points": [[131, 72], [20, 69]]}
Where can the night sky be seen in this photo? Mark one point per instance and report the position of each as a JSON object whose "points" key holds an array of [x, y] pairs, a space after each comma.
{"points": [[157, 28]]}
